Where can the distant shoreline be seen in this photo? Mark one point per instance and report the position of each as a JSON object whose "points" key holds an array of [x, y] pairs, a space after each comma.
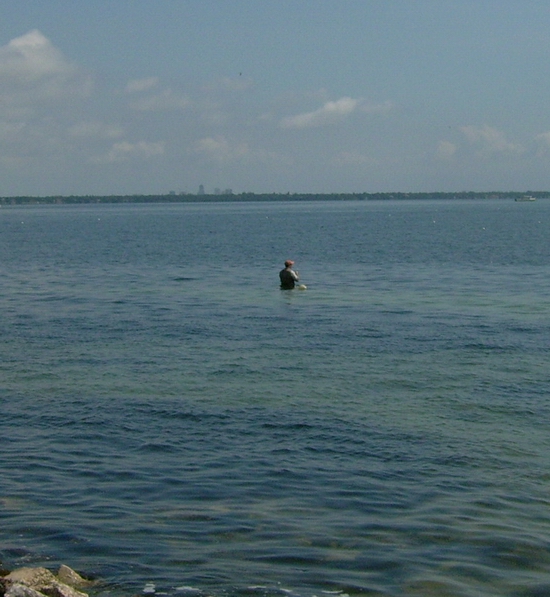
{"points": [[235, 197]]}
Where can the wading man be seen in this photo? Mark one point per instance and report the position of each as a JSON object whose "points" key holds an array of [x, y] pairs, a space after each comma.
{"points": [[288, 276]]}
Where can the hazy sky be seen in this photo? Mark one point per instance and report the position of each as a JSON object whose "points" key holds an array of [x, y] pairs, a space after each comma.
{"points": [[152, 96]]}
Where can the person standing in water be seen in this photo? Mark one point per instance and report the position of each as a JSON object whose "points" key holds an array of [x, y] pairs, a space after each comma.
{"points": [[288, 276]]}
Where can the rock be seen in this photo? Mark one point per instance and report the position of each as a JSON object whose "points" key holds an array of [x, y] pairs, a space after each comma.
{"points": [[70, 577], [19, 590], [40, 582], [37, 578], [59, 589]]}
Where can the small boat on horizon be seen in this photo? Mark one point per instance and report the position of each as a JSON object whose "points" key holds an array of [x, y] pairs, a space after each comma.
{"points": [[526, 198]]}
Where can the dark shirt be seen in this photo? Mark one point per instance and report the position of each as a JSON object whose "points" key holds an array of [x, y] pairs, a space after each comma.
{"points": [[288, 278]]}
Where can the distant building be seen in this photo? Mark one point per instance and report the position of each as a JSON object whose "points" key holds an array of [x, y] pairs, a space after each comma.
{"points": [[201, 190]]}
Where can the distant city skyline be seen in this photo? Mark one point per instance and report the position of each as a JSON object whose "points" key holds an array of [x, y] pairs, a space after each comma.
{"points": [[121, 98]]}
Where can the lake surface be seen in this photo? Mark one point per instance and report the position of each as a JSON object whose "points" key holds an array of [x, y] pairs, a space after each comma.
{"points": [[174, 423]]}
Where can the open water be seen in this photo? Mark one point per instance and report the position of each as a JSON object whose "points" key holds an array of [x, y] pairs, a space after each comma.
{"points": [[174, 423]]}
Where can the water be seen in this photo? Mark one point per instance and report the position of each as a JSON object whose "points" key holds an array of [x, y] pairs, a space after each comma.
{"points": [[173, 423]]}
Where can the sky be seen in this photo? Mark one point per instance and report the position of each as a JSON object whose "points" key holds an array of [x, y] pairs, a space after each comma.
{"points": [[122, 97]]}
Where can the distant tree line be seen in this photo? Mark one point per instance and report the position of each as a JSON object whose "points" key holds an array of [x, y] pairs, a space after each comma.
{"points": [[226, 197]]}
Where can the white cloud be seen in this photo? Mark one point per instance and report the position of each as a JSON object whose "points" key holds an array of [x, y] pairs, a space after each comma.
{"points": [[31, 57], [446, 150], [225, 84], [383, 108], [33, 70], [139, 85], [490, 140], [125, 151], [220, 149], [329, 113], [9, 130], [166, 100], [542, 144], [352, 158], [543, 138], [95, 129]]}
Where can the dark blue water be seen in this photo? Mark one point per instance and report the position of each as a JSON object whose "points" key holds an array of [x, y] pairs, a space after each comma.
{"points": [[172, 422]]}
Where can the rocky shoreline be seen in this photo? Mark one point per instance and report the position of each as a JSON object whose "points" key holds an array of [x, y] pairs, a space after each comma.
{"points": [[41, 582]]}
